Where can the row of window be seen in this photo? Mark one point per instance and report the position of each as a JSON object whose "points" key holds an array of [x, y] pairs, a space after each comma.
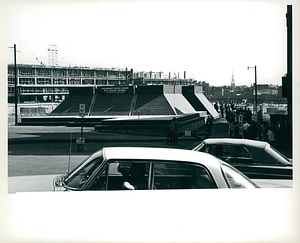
{"points": [[61, 81], [30, 90], [66, 72], [77, 81]]}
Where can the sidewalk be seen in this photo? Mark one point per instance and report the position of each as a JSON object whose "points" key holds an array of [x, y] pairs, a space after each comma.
{"points": [[219, 129]]}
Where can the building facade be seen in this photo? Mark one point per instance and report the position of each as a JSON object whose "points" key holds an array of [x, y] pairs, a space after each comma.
{"points": [[41, 83]]}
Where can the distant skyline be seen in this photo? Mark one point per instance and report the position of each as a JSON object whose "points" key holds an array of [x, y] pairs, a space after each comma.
{"points": [[209, 40]]}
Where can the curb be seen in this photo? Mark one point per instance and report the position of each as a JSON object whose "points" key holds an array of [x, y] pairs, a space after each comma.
{"points": [[92, 140]]}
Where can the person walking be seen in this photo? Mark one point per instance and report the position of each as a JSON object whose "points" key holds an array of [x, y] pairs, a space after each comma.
{"points": [[209, 125], [173, 132], [216, 106], [271, 135], [231, 129], [263, 131], [253, 130], [246, 130], [222, 110], [236, 130]]}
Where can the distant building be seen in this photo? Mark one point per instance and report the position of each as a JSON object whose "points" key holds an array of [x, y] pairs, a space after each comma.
{"points": [[41, 83], [265, 89]]}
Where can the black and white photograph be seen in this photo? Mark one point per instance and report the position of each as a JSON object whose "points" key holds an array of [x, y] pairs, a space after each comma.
{"points": [[106, 100]]}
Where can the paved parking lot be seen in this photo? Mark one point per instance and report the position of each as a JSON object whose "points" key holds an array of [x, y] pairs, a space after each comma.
{"points": [[35, 150]]}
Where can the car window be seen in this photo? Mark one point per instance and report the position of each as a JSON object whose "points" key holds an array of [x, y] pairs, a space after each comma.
{"points": [[221, 151], [178, 175], [242, 156], [235, 178], [122, 175], [242, 152], [81, 175], [227, 154], [231, 154], [280, 158], [136, 175], [204, 148]]}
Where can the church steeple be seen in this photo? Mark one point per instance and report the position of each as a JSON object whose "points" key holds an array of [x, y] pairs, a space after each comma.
{"points": [[232, 82]]}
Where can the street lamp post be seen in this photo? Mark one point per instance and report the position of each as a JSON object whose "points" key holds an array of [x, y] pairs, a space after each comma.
{"points": [[255, 87], [16, 86]]}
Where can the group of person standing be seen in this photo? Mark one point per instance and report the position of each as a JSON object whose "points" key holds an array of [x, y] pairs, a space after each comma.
{"points": [[277, 133], [273, 132]]}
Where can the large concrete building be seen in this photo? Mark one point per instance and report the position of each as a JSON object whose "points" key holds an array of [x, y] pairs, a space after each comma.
{"points": [[41, 83]]}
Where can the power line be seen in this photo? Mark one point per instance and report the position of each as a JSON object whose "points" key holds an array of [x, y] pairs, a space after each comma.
{"points": [[36, 57], [41, 57]]}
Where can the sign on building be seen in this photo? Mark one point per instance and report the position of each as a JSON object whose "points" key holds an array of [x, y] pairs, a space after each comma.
{"points": [[82, 110]]}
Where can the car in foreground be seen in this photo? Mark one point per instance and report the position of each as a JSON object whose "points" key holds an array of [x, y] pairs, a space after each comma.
{"points": [[138, 168], [255, 159]]}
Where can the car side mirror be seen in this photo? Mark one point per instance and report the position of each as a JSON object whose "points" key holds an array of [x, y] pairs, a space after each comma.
{"points": [[58, 181]]}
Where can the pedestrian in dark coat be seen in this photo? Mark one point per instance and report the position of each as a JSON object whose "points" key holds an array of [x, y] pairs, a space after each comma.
{"points": [[236, 130], [173, 132], [252, 130], [209, 125], [222, 110]]}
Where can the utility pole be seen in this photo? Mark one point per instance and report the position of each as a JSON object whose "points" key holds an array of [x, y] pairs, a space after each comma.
{"points": [[81, 147], [255, 89], [16, 86], [287, 79], [289, 24]]}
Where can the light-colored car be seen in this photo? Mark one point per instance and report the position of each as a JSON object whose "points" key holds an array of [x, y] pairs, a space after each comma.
{"points": [[137, 168], [256, 159]]}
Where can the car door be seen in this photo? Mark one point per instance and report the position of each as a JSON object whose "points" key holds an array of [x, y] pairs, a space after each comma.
{"points": [[239, 157], [181, 175], [242, 157], [245, 163], [123, 175], [149, 175]]}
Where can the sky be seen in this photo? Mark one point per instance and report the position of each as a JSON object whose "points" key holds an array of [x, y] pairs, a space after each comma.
{"points": [[209, 40]]}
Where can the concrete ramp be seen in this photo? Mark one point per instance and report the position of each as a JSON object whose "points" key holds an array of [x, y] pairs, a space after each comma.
{"points": [[208, 106], [195, 96], [151, 101], [179, 104]]}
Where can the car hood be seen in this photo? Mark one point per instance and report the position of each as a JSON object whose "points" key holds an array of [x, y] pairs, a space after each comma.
{"points": [[272, 183], [34, 183]]}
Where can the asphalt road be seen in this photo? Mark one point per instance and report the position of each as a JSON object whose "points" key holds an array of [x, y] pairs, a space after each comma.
{"points": [[53, 157], [36, 154], [44, 150], [39, 153]]}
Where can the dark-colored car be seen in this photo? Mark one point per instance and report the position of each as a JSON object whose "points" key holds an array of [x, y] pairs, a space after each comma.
{"points": [[256, 159], [127, 168]]}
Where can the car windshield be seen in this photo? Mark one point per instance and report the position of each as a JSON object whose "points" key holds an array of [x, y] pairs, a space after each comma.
{"points": [[201, 147], [235, 178], [77, 177], [288, 161]]}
